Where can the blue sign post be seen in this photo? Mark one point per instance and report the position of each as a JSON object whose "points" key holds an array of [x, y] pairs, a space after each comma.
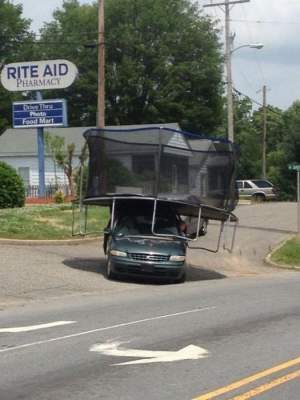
{"points": [[41, 154]]}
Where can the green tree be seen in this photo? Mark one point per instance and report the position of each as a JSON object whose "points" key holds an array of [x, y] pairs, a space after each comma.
{"points": [[283, 143], [247, 137], [54, 145], [289, 149], [163, 62], [291, 140], [62, 156], [73, 27], [275, 126], [275, 135], [16, 44]]}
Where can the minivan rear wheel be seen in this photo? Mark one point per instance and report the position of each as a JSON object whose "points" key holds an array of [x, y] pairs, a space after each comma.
{"points": [[259, 198]]}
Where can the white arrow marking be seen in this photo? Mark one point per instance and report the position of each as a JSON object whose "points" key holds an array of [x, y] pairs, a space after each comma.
{"points": [[35, 327], [107, 328], [190, 352]]}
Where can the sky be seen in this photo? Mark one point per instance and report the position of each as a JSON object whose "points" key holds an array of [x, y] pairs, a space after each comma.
{"points": [[275, 23]]}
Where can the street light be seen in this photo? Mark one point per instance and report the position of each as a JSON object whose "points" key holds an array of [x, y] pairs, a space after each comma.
{"points": [[257, 46], [229, 52]]}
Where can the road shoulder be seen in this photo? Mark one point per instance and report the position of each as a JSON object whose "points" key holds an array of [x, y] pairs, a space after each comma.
{"points": [[268, 259]]}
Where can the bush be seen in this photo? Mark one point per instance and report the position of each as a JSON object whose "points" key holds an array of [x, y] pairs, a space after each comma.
{"points": [[59, 197], [12, 191]]}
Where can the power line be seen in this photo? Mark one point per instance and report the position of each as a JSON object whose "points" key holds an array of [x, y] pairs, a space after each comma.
{"points": [[255, 101], [266, 22], [257, 61], [248, 97]]}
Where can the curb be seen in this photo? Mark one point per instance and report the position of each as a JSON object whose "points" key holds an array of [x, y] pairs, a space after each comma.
{"points": [[268, 260], [243, 202], [62, 242]]}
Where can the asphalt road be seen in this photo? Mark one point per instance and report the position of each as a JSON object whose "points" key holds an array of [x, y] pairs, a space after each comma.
{"points": [[234, 318], [246, 325], [39, 273]]}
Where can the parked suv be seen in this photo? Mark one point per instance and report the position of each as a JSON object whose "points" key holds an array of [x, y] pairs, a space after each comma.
{"points": [[257, 189]]}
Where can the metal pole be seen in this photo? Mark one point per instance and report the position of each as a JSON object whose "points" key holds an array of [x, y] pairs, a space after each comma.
{"points": [[228, 45], [158, 164], [298, 200], [264, 141], [101, 67], [41, 154]]}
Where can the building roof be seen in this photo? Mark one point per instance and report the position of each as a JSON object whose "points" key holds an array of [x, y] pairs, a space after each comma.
{"points": [[23, 142]]}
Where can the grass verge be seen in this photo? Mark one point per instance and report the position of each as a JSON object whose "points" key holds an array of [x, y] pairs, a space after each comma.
{"points": [[289, 253], [48, 222]]}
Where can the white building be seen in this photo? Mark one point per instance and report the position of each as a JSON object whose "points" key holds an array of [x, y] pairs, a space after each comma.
{"points": [[18, 148]]}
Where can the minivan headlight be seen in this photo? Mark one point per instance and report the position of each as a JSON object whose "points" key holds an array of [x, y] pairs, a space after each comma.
{"points": [[117, 253], [177, 258]]}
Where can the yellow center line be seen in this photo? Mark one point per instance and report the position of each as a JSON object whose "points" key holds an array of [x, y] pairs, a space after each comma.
{"points": [[249, 379], [267, 386]]}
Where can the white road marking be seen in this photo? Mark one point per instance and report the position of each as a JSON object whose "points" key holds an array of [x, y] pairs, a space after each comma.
{"points": [[106, 328], [35, 327], [190, 352]]}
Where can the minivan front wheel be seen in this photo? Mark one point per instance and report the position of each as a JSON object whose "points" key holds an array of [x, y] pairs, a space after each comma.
{"points": [[181, 279], [109, 273]]}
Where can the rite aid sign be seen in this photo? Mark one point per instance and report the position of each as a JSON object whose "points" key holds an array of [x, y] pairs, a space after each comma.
{"points": [[38, 75]]}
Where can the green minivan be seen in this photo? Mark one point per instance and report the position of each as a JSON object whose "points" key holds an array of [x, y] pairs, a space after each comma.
{"points": [[132, 249]]}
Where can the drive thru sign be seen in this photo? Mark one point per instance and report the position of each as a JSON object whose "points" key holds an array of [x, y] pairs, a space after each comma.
{"points": [[35, 114]]}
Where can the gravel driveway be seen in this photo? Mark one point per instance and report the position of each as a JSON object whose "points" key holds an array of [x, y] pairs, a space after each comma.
{"points": [[34, 272]]}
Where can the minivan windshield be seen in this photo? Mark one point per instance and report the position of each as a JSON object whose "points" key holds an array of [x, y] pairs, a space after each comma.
{"points": [[140, 225]]}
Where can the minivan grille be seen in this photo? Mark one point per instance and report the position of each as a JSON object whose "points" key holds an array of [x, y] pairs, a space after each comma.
{"points": [[148, 257]]}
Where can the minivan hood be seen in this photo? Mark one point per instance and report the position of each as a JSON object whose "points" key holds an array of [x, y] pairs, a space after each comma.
{"points": [[149, 245]]}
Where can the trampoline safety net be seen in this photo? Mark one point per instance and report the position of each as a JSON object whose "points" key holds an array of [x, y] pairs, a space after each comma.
{"points": [[162, 163]]}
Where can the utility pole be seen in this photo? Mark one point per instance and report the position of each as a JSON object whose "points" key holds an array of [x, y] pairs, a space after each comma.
{"points": [[101, 67], [264, 139], [228, 47]]}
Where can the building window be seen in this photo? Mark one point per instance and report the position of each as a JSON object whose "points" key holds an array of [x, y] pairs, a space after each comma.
{"points": [[24, 173]]}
